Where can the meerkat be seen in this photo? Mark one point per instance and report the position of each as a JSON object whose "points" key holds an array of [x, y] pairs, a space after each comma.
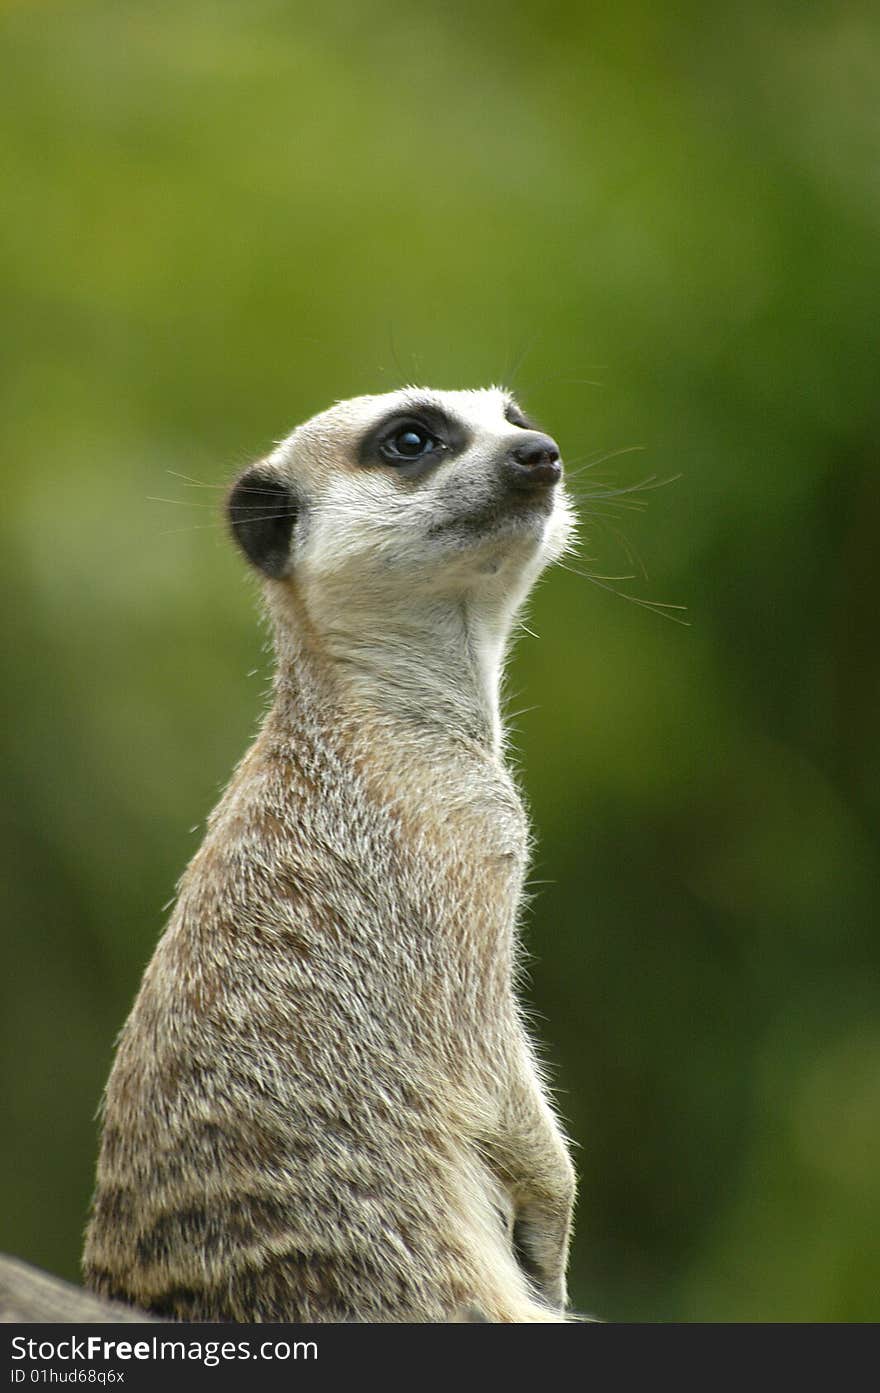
{"points": [[325, 1105]]}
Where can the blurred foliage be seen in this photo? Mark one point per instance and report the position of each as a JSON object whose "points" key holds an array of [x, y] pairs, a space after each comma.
{"points": [[662, 222]]}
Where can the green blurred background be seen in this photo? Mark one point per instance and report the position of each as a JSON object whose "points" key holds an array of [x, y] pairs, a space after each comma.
{"points": [[662, 220]]}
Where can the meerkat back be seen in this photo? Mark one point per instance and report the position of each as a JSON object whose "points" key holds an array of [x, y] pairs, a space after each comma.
{"points": [[324, 1105]]}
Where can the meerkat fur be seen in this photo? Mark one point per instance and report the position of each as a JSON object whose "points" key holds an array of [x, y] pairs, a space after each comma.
{"points": [[325, 1105]]}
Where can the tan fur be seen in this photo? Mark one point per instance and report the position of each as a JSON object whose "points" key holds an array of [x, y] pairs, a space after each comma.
{"points": [[324, 1104]]}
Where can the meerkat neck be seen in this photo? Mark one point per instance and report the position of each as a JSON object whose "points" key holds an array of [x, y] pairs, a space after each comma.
{"points": [[437, 670]]}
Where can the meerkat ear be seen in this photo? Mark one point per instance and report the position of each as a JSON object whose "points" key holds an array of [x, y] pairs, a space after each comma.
{"points": [[262, 510]]}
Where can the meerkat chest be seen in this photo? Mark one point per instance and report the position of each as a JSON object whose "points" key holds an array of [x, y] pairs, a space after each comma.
{"points": [[369, 828], [461, 818], [482, 816]]}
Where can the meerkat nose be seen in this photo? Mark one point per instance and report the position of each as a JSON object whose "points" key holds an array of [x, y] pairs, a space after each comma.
{"points": [[533, 461]]}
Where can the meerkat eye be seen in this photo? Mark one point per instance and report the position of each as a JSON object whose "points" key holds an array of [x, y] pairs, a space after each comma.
{"points": [[409, 441]]}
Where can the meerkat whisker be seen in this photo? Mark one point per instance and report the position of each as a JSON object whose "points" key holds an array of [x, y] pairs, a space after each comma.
{"points": [[660, 607], [644, 486], [587, 462], [630, 552]]}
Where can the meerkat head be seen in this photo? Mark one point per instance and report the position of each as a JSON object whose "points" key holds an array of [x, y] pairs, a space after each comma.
{"points": [[399, 535], [383, 500]]}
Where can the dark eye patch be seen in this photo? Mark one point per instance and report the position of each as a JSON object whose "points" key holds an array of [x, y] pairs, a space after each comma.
{"points": [[517, 417], [413, 441], [406, 443]]}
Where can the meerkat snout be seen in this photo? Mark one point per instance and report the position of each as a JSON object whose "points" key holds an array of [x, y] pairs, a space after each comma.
{"points": [[534, 463]]}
